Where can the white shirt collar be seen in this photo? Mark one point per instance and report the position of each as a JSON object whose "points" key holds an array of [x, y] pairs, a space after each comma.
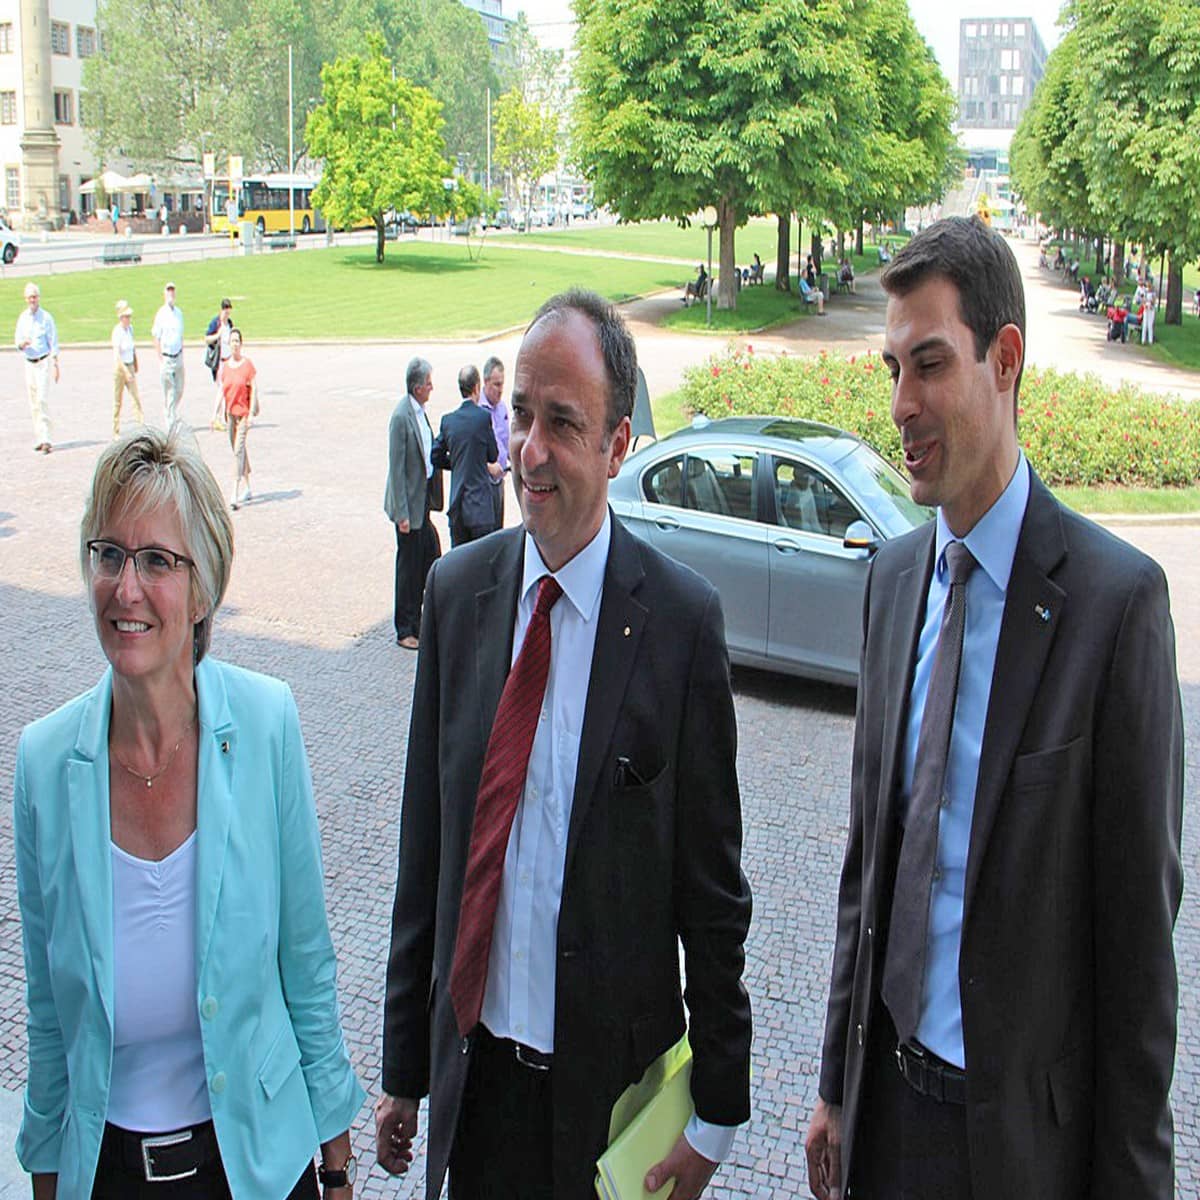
{"points": [[581, 579]]}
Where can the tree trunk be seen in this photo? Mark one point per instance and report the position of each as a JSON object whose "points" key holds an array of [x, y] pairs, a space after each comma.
{"points": [[858, 237], [1099, 257], [1118, 262], [727, 290], [1174, 313], [783, 253], [816, 249], [378, 237]]}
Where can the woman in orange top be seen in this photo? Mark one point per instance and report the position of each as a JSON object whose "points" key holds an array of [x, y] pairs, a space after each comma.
{"points": [[239, 386]]}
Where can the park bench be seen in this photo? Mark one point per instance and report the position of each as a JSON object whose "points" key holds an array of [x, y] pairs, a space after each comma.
{"points": [[120, 252], [281, 241]]}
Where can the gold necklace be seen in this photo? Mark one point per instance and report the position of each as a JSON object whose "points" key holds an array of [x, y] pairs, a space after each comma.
{"points": [[148, 780]]}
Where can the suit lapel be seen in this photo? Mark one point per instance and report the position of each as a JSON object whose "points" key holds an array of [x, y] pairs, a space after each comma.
{"points": [[907, 617], [618, 635], [1024, 645], [217, 750], [495, 615], [91, 834]]}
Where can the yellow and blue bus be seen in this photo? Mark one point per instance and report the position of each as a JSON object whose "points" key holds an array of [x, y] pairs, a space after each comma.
{"points": [[263, 200]]}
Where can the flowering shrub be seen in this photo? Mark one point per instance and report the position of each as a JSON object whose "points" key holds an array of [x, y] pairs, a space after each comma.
{"points": [[1075, 430]]}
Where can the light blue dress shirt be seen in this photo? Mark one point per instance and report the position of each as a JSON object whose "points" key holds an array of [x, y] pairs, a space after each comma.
{"points": [[993, 542], [518, 999]]}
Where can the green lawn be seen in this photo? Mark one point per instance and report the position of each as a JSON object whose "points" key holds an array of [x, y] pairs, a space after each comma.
{"points": [[422, 290], [1178, 345], [662, 238], [757, 308]]}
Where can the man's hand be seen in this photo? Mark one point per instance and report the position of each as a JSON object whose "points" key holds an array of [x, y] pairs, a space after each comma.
{"points": [[690, 1170], [395, 1128], [823, 1146], [403, 526], [495, 470], [56, 370]]}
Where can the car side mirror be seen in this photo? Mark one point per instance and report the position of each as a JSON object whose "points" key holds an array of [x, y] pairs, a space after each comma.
{"points": [[860, 537]]}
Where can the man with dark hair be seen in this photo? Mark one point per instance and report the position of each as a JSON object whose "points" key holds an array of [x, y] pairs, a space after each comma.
{"points": [[466, 446], [492, 402], [570, 816], [407, 499], [1001, 1017]]}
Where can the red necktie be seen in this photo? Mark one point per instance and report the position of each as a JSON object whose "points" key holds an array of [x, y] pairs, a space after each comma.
{"points": [[503, 780]]}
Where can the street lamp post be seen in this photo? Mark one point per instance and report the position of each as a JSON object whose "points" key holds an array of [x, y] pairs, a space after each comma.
{"points": [[709, 218]]}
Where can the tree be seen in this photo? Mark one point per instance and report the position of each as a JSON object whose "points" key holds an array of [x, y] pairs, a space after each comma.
{"points": [[742, 105], [440, 45], [380, 138], [211, 76], [526, 142]]}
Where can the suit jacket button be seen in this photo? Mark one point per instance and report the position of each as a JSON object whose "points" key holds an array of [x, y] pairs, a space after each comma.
{"points": [[859, 1034], [208, 1008], [870, 931], [218, 1082], [465, 1045]]}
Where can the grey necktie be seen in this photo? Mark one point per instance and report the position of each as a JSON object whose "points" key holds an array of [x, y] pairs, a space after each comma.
{"points": [[904, 969]]}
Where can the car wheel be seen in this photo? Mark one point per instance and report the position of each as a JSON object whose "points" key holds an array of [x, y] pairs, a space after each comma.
{"points": [[306, 225], [262, 226], [10, 252]]}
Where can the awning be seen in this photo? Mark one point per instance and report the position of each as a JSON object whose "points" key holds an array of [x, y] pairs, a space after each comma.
{"points": [[111, 180]]}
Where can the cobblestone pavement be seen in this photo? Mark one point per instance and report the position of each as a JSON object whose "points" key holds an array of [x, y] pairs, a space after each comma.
{"points": [[310, 602]]}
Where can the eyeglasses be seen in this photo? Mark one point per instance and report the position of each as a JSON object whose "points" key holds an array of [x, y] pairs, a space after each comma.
{"points": [[153, 564]]}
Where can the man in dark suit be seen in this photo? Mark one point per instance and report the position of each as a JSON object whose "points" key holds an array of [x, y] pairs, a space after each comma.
{"points": [[466, 446], [622, 836], [407, 499], [1001, 1018]]}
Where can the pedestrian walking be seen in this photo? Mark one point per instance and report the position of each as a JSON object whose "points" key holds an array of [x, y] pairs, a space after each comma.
{"points": [[238, 382], [37, 339], [1149, 312], [167, 333], [125, 366], [216, 352]]}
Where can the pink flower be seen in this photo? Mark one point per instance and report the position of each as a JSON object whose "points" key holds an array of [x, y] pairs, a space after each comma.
{"points": [[716, 371]]}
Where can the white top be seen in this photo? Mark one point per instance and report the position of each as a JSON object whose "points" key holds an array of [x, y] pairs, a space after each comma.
{"points": [[167, 330], [122, 343], [38, 329], [518, 1001], [427, 450], [158, 1079]]}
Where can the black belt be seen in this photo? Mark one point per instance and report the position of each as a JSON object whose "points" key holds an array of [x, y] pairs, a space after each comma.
{"points": [[175, 355], [160, 1157], [527, 1056], [37, 360], [930, 1075]]}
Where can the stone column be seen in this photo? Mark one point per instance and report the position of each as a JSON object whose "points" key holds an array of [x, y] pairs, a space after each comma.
{"points": [[39, 142]]}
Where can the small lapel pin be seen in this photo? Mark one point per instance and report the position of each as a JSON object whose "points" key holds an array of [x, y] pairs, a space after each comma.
{"points": [[1043, 612], [626, 630], [224, 747]]}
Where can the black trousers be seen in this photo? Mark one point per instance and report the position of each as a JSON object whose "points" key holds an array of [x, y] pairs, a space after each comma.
{"points": [[498, 494], [907, 1146], [119, 1178], [461, 534], [416, 552], [502, 1147]]}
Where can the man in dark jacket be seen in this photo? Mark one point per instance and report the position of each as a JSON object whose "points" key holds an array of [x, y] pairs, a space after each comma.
{"points": [[466, 446]]}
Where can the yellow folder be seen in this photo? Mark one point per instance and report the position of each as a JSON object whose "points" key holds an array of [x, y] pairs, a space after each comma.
{"points": [[647, 1121]]}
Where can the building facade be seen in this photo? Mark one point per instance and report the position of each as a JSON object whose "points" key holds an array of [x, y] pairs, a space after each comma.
{"points": [[494, 20], [44, 152], [1000, 62]]}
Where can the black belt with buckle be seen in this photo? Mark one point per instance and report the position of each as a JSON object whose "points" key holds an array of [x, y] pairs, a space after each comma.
{"points": [[527, 1056], [175, 355], [38, 360], [160, 1157], [930, 1075]]}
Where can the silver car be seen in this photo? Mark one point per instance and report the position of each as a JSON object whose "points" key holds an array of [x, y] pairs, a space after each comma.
{"points": [[782, 516]]}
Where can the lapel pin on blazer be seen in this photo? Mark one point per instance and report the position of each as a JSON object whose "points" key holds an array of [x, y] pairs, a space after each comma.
{"points": [[1043, 612], [626, 630], [224, 747]]}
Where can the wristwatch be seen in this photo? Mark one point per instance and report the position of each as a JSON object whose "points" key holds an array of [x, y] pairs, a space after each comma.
{"points": [[340, 1178]]}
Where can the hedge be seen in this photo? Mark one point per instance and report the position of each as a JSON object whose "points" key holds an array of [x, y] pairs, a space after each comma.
{"points": [[1076, 431]]}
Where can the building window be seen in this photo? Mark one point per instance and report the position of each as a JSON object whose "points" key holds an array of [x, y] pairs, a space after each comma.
{"points": [[1008, 60], [85, 41], [1019, 29], [1004, 85], [8, 108], [60, 38], [6, 37], [1004, 30], [12, 188], [970, 31], [64, 109], [79, 111], [1018, 85]]}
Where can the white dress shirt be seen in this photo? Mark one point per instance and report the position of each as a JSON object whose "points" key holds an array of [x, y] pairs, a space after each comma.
{"points": [[38, 329], [168, 329], [518, 1001], [427, 446]]}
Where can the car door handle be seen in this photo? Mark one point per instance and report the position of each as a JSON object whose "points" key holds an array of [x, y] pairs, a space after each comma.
{"points": [[787, 546], [666, 524]]}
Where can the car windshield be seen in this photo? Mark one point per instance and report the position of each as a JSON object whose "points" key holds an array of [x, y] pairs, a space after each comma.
{"points": [[884, 490]]}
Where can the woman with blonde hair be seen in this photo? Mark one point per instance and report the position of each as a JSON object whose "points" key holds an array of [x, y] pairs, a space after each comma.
{"points": [[125, 366], [185, 1041]]}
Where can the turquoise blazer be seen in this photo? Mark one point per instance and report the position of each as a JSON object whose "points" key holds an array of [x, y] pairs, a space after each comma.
{"points": [[279, 1078]]}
